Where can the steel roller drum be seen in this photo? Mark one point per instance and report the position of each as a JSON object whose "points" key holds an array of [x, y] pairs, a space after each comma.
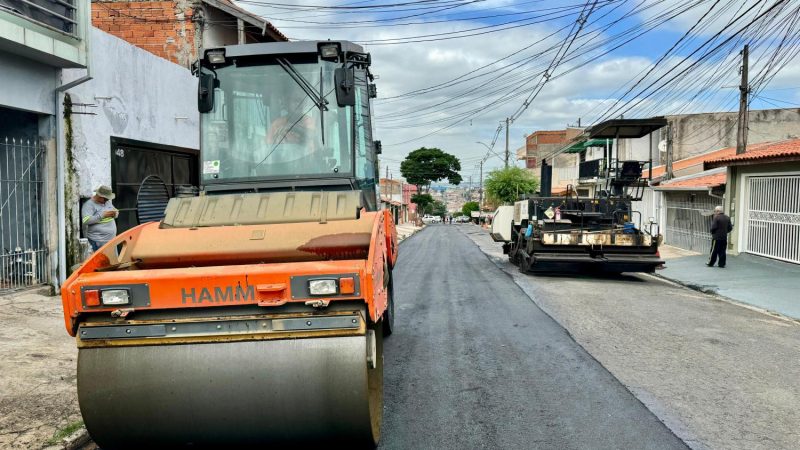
{"points": [[236, 394]]}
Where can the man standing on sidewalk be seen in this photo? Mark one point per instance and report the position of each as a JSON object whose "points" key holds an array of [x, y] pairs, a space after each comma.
{"points": [[98, 215], [720, 227]]}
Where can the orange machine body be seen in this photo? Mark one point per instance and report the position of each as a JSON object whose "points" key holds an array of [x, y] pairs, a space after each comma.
{"points": [[178, 268]]}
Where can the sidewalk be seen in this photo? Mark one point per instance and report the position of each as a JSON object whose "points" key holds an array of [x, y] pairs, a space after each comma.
{"points": [[405, 230], [37, 371], [765, 283]]}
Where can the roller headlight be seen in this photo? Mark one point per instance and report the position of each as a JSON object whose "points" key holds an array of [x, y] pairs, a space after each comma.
{"points": [[322, 287], [115, 297]]}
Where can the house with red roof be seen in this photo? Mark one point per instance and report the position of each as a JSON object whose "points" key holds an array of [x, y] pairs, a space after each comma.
{"points": [[763, 199]]}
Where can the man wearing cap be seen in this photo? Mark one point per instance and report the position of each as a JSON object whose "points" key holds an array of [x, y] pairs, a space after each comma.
{"points": [[98, 216], [720, 227]]}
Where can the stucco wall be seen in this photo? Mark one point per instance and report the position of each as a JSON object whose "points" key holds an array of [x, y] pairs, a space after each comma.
{"points": [[26, 84], [695, 134], [138, 96]]}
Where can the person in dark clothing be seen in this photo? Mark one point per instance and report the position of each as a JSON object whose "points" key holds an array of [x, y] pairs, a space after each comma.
{"points": [[720, 227]]}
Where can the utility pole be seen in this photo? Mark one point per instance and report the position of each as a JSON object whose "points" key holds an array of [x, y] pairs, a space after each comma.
{"points": [[480, 189], [744, 90], [387, 171], [669, 152], [507, 121]]}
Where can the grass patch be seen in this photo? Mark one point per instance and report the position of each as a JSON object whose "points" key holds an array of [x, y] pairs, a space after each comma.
{"points": [[64, 432]]}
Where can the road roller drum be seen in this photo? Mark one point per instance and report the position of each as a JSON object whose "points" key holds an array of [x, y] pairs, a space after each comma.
{"points": [[233, 394]]}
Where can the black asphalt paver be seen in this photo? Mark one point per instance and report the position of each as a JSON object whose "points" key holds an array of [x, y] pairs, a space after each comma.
{"points": [[474, 363]]}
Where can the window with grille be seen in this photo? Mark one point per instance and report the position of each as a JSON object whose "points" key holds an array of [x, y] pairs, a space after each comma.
{"points": [[59, 15]]}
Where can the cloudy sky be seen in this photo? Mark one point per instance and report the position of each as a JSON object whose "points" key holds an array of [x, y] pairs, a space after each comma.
{"points": [[450, 71]]}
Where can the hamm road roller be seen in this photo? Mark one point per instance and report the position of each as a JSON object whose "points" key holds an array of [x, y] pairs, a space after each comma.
{"points": [[254, 312]]}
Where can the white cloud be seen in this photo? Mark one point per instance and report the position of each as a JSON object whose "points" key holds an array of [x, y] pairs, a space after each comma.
{"points": [[407, 67]]}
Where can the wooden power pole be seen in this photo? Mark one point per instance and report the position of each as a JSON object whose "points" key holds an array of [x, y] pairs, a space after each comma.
{"points": [[744, 90], [507, 122], [480, 189]]}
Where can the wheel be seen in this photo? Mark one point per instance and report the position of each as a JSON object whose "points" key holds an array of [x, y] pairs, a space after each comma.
{"points": [[388, 315]]}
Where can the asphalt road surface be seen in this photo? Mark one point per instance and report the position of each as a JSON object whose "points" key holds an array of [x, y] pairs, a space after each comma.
{"points": [[474, 363]]}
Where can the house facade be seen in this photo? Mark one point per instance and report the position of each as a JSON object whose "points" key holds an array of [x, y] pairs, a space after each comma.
{"points": [[37, 42], [763, 199], [135, 120]]}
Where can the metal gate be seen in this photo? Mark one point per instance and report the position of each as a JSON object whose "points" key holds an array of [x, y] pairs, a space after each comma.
{"points": [[773, 217], [689, 218], [23, 250]]}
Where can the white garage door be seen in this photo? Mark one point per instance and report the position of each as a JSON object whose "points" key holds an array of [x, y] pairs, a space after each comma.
{"points": [[773, 217]]}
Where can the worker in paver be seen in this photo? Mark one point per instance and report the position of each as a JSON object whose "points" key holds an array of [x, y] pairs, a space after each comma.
{"points": [[97, 215], [720, 227]]}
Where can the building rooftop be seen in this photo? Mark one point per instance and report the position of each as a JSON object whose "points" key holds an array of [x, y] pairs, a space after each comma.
{"points": [[768, 152], [697, 182], [249, 17]]}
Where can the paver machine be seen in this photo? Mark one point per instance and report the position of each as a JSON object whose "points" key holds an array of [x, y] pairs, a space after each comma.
{"points": [[254, 312], [597, 233]]}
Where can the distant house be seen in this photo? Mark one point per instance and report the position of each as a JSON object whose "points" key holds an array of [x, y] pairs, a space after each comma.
{"points": [[392, 199]]}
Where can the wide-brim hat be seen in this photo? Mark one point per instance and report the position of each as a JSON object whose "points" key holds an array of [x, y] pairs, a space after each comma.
{"points": [[105, 192]]}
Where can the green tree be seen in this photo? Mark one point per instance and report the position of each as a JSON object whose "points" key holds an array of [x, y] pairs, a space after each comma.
{"points": [[422, 201], [438, 208], [507, 185], [426, 165], [469, 207]]}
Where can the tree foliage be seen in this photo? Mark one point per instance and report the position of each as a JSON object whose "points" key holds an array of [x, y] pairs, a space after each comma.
{"points": [[507, 185], [469, 207], [426, 165], [422, 201], [438, 208]]}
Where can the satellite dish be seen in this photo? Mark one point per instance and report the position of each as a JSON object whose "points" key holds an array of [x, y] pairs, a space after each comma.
{"points": [[662, 146], [152, 199]]}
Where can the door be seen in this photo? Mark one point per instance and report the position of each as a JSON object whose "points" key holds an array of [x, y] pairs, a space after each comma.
{"points": [[23, 247], [772, 217], [133, 161]]}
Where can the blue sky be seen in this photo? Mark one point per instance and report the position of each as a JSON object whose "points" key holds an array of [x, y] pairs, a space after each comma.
{"points": [[455, 117]]}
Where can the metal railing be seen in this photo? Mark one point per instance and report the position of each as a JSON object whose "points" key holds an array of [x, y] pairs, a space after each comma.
{"points": [[59, 15], [23, 249]]}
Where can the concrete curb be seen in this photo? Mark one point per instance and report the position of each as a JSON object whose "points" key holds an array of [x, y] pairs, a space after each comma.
{"points": [[77, 439], [714, 293], [74, 441]]}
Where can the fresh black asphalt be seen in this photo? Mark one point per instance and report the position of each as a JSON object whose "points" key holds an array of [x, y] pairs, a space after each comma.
{"points": [[474, 363]]}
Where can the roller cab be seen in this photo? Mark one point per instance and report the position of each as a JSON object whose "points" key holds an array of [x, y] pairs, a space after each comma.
{"points": [[254, 313]]}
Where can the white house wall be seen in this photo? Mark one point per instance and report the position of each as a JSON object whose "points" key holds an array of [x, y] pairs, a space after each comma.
{"points": [[27, 84], [137, 96]]}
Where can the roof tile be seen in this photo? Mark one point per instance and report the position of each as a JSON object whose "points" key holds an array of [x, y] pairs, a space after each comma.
{"points": [[760, 152]]}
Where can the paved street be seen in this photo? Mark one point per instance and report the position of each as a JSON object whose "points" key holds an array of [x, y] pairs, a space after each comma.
{"points": [[475, 364], [719, 375]]}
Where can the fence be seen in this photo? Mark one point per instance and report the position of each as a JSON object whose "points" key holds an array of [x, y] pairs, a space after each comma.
{"points": [[23, 250], [689, 218]]}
